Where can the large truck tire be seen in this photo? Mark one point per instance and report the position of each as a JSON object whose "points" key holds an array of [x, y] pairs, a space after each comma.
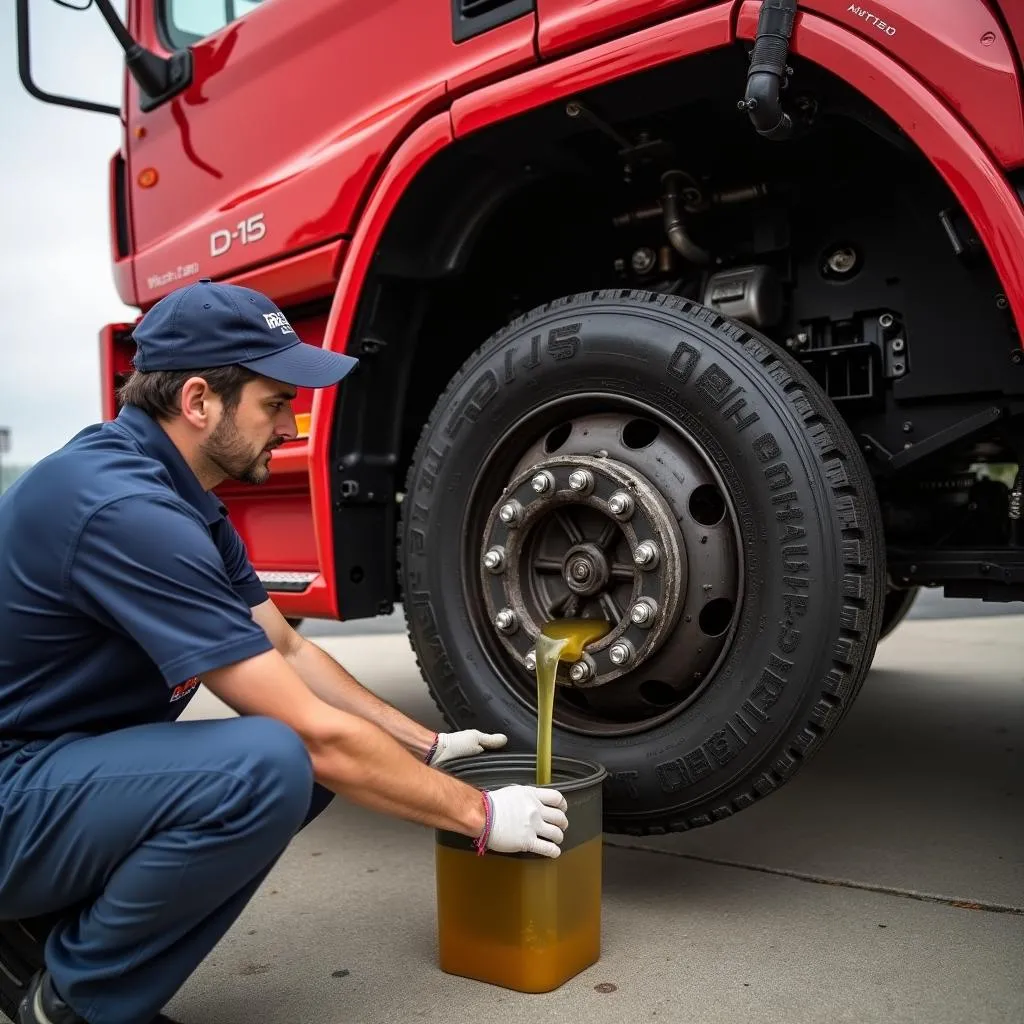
{"points": [[596, 431]]}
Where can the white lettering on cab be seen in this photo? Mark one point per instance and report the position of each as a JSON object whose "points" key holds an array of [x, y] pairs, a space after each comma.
{"points": [[871, 19], [247, 231]]}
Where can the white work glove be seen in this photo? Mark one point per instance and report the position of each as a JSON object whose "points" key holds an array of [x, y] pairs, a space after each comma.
{"points": [[524, 819], [451, 745]]}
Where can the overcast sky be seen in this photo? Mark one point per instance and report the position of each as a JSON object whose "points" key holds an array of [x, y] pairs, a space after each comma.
{"points": [[56, 286]]}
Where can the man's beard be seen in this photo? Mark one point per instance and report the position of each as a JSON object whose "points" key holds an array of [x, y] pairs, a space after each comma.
{"points": [[234, 457]]}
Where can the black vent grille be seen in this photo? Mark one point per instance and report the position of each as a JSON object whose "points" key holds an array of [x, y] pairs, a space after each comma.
{"points": [[472, 17], [475, 8], [123, 242]]}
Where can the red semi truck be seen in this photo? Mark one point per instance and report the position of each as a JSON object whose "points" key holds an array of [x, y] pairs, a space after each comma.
{"points": [[699, 316]]}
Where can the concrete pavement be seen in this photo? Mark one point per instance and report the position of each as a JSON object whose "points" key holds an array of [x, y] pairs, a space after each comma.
{"points": [[851, 895]]}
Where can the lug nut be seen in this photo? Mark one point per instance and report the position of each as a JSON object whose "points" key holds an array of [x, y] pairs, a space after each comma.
{"points": [[510, 513], [621, 653], [543, 482], [505, 620], [531, 660], [621, 505], [494, 560], [646, 555], [581, 481], [643, 612], [580, 672]]}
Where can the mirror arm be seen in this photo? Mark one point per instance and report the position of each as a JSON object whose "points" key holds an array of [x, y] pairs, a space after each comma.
{"points": [[158, 78], [25, 73]]}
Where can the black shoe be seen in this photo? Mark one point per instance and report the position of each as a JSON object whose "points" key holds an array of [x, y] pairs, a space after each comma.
{"points": [[42, 1004], [41, 996]]}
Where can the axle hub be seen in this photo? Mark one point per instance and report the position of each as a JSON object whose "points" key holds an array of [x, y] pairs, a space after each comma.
{"points": [[587, 571], [617, 516], [610, 572]]}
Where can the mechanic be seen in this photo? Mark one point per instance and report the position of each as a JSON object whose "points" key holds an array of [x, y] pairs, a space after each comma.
{"points": [[123, 586]]}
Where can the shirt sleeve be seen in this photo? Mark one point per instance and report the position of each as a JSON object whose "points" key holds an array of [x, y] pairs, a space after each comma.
{"points": [[239, 569], [148, 568]]}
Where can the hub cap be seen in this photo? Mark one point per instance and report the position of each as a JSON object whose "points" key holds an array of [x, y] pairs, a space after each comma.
{"points": [[640, 535]]}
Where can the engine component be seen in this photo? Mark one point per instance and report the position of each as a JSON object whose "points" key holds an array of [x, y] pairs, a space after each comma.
{"points": [[841, 262], [672, 201], [751, 294]]}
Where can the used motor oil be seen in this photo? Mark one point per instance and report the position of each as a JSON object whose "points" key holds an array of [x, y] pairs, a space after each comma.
{"points": [[560, 640], [523, 921]]}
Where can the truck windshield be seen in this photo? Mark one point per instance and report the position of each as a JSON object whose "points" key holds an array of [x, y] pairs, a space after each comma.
{"points": [[187, 21]]}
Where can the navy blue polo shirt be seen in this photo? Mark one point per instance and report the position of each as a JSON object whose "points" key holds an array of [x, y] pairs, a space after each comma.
{"points": [[121, 582]]}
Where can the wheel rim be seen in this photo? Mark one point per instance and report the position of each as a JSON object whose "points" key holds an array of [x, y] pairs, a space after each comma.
{"points": [[561, 509]]}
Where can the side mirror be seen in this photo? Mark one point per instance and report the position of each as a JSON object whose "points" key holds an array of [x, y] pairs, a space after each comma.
{"points": [[158, 78]]}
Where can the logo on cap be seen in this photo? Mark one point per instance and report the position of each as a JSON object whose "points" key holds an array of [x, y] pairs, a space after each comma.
{"points": [[278, 320]]}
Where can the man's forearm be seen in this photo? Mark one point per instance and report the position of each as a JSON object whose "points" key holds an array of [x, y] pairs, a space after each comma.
{"points": [[331, 683], [368, 767], [350, 756]]}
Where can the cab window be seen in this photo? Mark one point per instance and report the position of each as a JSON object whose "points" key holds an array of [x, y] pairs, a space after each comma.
{"points": [[187, 21]]}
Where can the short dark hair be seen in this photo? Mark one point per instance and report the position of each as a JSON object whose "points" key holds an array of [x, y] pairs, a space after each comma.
{"points": [[158, 392]]}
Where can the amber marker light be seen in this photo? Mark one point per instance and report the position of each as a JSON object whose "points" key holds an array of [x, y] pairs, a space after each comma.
{"points": [[148, 177]]}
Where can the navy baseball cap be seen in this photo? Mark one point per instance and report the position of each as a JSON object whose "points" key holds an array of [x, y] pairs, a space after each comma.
{"points": [[207, 324]]}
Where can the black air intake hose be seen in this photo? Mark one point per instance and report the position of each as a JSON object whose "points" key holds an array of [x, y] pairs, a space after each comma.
{"points": [[767, 66]]}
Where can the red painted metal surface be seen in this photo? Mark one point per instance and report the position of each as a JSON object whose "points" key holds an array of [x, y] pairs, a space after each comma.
{"points": [[959, 50], [425, 142], [307, 275], [671, 40], [293, 111], [114, 359], [501, 52], [277, 525], [976, 181], [564, 25]]}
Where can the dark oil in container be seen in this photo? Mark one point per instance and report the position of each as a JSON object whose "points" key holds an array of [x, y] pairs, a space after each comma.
{"points": [[523, 921]]}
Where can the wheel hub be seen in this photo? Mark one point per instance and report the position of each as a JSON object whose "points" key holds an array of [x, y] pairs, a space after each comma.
{"points": [[587, 571], [612, 515], [612, 574]]}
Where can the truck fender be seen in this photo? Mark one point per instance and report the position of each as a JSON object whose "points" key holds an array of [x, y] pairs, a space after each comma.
{"points": [[959, 50], [410, 158]]}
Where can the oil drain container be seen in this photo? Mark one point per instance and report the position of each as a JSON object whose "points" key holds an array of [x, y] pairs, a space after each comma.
{"points": [[523, 921]]}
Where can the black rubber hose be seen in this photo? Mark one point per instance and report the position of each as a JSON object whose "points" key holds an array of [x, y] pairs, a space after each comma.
{"points": [[767, 67]]}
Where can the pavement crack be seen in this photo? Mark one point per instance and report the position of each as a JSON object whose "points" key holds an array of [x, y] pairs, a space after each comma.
{"points": [[843, 883]]}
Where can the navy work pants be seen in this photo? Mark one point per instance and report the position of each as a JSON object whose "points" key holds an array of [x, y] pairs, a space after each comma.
{"points": [[157, 836]]}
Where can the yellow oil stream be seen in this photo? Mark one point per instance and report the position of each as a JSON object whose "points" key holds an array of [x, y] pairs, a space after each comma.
{"points": [[560, 640]]}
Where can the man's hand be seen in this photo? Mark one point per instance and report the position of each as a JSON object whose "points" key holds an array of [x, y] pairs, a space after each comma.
{"points": [[452, 745], [524, 819]]}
